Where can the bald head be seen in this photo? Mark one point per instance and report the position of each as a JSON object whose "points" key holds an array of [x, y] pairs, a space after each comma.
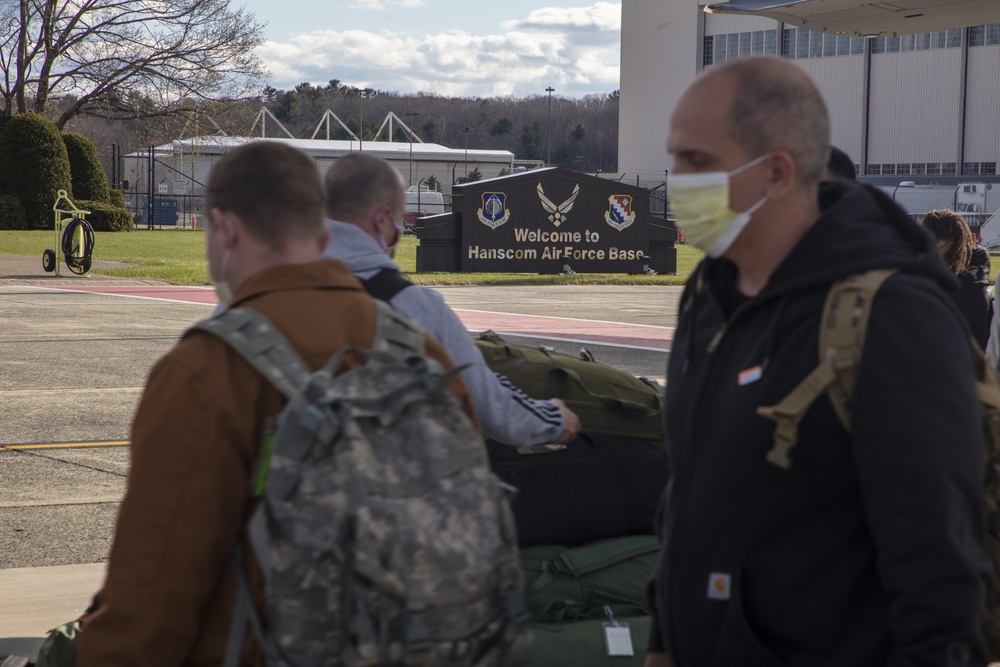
{"points": [[774, 106], [359, 183]]}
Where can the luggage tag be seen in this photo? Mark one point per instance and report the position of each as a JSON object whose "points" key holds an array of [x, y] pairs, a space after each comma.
{"points": [[617, 637]]}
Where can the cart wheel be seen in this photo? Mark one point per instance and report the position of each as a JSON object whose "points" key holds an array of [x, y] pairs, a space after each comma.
{"points": [[49, 261]]}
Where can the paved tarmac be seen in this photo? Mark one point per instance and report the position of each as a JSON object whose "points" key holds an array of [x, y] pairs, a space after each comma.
{"points": [[74, 355]]}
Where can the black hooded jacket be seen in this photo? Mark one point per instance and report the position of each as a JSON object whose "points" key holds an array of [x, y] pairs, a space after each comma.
{"points": [[868, 550]]}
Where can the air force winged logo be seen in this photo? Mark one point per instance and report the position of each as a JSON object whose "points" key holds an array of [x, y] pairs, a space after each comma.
{"points": [[494, 211], [619, 214], [557, 213]]}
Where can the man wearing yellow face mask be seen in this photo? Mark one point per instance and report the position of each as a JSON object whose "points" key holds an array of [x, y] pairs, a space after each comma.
{"points": [[856, 548]]}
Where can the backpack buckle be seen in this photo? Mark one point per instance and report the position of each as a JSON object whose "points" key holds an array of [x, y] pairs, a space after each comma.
{"points": [[780, 453]]}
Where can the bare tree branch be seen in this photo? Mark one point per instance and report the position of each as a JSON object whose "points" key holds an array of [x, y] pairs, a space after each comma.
{"points": [[107, 54]]}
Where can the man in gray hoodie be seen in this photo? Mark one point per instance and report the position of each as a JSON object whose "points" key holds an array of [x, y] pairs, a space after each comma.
{"points": [[365, 204]]}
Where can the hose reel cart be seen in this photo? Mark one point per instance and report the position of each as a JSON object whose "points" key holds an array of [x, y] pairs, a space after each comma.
{"points": [[74, 238]]}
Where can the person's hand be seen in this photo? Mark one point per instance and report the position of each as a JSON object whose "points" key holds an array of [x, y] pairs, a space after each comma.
{"points": [[656, 660], [571, 423]]}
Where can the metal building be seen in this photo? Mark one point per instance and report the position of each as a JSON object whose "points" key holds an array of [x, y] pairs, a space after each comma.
{"points": [[175, 174], [919, 107]]}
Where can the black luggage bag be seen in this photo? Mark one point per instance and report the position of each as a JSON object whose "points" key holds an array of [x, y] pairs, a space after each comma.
{"points": [[596, 487]]}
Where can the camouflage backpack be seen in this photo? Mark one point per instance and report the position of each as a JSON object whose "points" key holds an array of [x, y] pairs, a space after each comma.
{"points": [[382, 535], [841, 338]]}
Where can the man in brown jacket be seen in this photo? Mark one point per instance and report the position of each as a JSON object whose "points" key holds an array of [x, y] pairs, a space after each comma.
{"points": [[169, 594]]}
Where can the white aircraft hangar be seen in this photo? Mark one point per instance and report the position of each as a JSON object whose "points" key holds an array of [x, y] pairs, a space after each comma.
{"points": [[913, 86]]}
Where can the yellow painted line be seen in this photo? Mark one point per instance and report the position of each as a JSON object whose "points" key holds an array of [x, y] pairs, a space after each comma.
{"points": [[67, 445]]}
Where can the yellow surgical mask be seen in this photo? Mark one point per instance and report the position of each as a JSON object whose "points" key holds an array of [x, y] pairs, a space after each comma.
{"points": [[700, 205]]}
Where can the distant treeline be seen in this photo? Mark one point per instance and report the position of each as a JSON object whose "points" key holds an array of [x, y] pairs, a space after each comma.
{"points": [[584, 131]]}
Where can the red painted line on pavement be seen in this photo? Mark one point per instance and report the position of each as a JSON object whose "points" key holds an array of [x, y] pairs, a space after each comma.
{"points": [[566, 328]]}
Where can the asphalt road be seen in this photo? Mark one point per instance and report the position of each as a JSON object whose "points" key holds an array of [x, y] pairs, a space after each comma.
{"points": [[72, 368]]}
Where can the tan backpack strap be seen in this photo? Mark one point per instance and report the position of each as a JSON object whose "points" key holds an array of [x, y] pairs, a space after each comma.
{"points": [[842, 333], [841, 336], [791, 409], [989, 394]]}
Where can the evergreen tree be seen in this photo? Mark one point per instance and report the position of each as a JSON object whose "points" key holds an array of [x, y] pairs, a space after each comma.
{"points": [[34, 166], [89, 180]]}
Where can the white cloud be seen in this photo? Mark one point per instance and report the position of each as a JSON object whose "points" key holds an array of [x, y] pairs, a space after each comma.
{"points": [[575, 50], [602, 15], [382, 5]]}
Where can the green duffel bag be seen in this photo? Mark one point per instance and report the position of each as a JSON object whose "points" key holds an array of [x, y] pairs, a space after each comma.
{"points": [[574, 583], [608, 400], [583, 644], [59, 647]]}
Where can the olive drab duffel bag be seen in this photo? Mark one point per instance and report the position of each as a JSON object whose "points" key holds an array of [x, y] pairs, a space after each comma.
{"points": [[575, 583], [588, 603], [607, 400], [614, 641]]}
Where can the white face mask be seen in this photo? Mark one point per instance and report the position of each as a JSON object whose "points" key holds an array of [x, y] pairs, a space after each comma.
{"points": [[222, 289], [700, 204], [390, 250]]}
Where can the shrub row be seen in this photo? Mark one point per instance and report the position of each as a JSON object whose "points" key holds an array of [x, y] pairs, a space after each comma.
{"points": [[106, 217], [34, 166], [11, 213], [36, 162]]}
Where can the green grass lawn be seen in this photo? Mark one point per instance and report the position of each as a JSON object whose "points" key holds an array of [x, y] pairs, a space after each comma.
{"points": [[178, 257]]}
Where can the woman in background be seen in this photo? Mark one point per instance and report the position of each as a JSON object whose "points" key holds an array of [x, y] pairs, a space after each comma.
{"points": [[970, 263]]}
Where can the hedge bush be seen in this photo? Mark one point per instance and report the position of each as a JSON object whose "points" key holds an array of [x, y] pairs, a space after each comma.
{"points": [[89, 180], [11, 213], [34, 166], [105, 217], [118, 198]]}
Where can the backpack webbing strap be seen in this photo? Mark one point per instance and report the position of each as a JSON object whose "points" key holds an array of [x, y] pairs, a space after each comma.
{"points": [[396, 333], [258, 341], [385, 284], [842, 330], [565, 611], [988, 394], [787, 413], [842, 333], [245, 612], [584, 560], [398, 339]]}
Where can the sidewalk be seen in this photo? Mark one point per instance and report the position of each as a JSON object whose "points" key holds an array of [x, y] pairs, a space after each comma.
{"points": [[36, 599]]}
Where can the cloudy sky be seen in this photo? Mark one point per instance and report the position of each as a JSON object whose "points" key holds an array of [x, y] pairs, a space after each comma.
{"points": [[448, 47]]}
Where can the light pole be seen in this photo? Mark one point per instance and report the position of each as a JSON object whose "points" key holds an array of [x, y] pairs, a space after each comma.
{"points": [[548, 159], [362, 94], [412, 114], [465, 131]]}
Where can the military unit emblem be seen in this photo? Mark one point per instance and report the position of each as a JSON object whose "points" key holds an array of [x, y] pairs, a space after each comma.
{"points": [[557, 212], [619, 214], [494, 211]]}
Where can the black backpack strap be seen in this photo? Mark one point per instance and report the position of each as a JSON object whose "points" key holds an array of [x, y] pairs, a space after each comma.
{"points": [[385, 284]]}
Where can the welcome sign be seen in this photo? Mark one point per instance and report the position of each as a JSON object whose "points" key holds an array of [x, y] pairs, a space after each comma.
{"points": [[547, 221]]}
